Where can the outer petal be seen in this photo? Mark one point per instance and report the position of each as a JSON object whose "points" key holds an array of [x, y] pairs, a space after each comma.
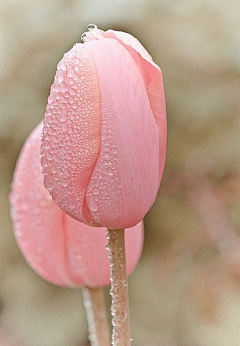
{"points": [[154, 84], [59, 248], [126, 176], [71, 133], [129, 42]]}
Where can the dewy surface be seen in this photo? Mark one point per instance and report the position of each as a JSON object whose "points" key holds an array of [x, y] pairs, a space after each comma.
{"points": [[72, 119], [104, 136]]}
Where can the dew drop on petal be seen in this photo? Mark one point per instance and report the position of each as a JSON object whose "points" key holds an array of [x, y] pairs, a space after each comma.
{"points": [[109, 171], [63, 115], [95, 191], [91, 26], [64, 182], [53, 168], [93, 206], [63, 87], [48, 184], [70, 72], [44, 161]]}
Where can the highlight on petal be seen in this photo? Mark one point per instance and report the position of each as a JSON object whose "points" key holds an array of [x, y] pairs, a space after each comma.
{"points": [[59, 248]]}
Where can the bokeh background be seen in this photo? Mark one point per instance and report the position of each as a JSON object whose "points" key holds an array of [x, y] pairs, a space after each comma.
{"points": [[186, 289]]}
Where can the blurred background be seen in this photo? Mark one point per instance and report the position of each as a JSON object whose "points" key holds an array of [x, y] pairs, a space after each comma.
{"points": [[186, 288]]}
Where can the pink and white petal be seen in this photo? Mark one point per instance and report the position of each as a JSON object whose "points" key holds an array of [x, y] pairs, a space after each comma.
{"points": [[126, 177], [71, 133]]}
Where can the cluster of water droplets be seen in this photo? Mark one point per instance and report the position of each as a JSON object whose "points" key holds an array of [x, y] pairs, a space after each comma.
{"points": [[71, 133], [105, 185], [79, 153], [90, 27]]}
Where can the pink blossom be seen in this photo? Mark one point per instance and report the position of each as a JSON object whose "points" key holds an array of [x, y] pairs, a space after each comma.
{"points": [[62, 250], [104, 135]]}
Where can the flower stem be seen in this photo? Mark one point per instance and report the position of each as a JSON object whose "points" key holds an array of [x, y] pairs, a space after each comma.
{"points": [[98, 331], [119, 288]]}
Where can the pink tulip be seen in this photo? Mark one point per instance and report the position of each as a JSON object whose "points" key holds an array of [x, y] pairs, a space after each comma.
{"points": [[104, 136], [59, 248]]}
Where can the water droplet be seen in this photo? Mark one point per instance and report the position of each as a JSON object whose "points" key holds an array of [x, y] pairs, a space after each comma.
{"points": [[56, 88], [72, 92], [60, 76], [55, 139], [64, 182], [68, 156], [63, 67], [93, 206], [55, 157], [53, 168], [51, 98], [48, 155], [44, 161], [91, 27], [75, 77], [109, 171], [48, 184], [83, 37], [64, 127], [63, 116], [95, 191], [70, 72], [63, 87], [66, 172]]}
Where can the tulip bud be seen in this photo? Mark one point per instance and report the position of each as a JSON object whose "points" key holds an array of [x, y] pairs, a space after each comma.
{"points": [[60, 249], [104, 135]]}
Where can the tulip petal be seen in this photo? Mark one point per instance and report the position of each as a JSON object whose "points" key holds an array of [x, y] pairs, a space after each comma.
{"points": [[126, 176], [71, 132], [154, 84], [59, 248], [34, 215], [129, 42], [89, 244], [95, 168]]}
